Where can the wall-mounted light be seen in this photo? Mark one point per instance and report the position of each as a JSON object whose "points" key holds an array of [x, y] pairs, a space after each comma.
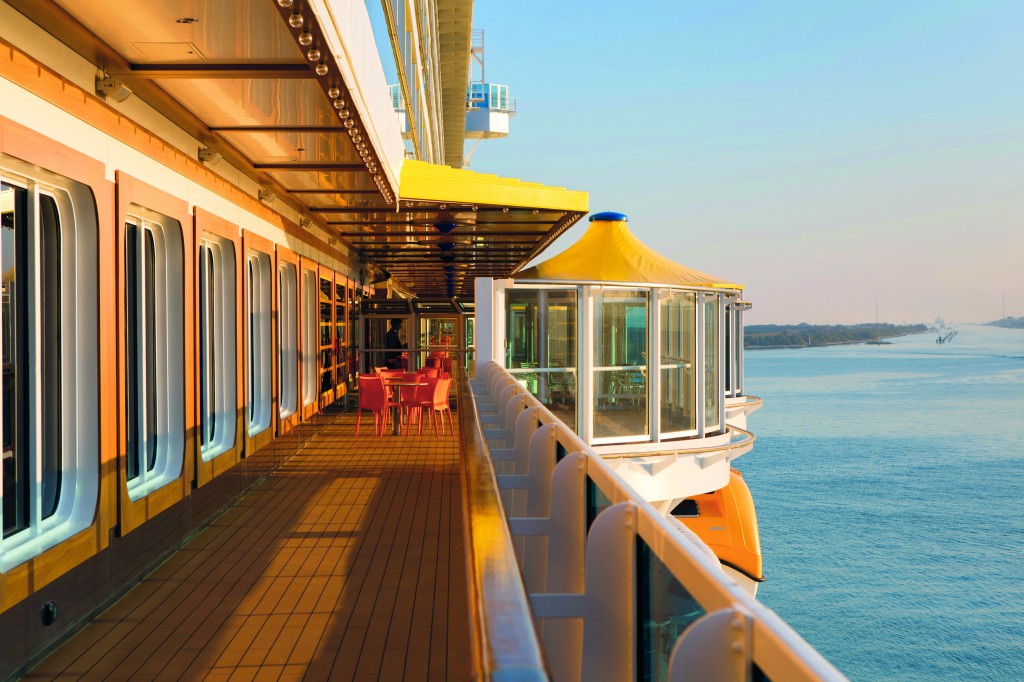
{"points": [[266, 196], [208, 156], [305, 223], [113, 89]]}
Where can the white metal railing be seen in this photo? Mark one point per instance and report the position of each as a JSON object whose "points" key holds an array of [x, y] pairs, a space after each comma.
{"points": [[619, 591]]}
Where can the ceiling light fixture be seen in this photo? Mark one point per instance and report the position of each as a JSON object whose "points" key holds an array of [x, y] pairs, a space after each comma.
{"points": [[285, 3], [321, 69], [313, 54], [305, 39], [334, 92], [296, 20], [265, 195]]}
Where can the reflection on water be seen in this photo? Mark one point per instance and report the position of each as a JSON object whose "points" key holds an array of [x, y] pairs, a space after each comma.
{"points": [[889, 483]]}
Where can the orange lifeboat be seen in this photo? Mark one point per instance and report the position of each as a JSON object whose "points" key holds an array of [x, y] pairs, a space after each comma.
{"points": [[727, 523]]}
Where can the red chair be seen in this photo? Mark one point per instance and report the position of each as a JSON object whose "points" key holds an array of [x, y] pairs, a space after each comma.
{"points": [[433, 362], [438, 403], [414, 397], [431, 372], [446, 364], [373, 397]]}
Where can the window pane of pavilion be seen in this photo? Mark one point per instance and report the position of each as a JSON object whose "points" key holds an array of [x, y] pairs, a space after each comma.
{"points": [[620, 360], [678, 350], [712, 368]]}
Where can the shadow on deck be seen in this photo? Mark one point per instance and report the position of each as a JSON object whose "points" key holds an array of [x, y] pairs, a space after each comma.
{"points": [[347, 562]]}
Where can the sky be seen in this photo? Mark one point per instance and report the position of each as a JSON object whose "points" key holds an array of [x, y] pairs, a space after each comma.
{"points": [[847, 162], [833, 157]]}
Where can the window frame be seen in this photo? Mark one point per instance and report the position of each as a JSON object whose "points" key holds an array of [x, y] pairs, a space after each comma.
{"points": [[162, 311], [286, 335], [75, 380], [223, 343], [309, 311]]}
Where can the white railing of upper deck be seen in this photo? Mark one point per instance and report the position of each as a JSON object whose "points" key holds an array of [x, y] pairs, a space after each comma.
{"points": [[606, 575]]}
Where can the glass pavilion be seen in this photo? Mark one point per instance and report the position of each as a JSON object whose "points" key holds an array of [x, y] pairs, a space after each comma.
{"points": [[622, 344]]}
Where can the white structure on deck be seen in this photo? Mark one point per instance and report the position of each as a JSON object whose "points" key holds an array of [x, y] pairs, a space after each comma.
{"points": [[641, 357]]}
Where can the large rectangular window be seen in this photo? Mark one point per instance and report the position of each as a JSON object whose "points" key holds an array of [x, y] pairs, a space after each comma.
{"points": [[733, 348], [326, 336], [620, 364], [287, 340], [49, 401], [678, 357], [23, 494], [541, 346], [154, 347], [712, 363], [309, 337], [258, 274], [216, 346]]}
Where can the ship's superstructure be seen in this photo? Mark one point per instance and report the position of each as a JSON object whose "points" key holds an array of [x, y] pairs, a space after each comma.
{"points": [[210, 215]]}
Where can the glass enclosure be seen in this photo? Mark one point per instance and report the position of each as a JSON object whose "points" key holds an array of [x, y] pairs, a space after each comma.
{"points": [[678, 350], [712, 364], [620, 363], [694, 335], [541, 346]]}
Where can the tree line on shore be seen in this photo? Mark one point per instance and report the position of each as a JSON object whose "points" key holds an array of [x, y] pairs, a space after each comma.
{"points": [[796, 335], [1008, 323]]}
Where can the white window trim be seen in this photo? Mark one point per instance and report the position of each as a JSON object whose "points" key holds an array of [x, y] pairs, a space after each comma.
{"points": [[310, 335], [76, 505], [220, 319], [287, 340], [167, 356], [258, 328]]}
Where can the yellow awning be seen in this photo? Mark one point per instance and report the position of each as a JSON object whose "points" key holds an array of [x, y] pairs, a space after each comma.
{"points": [[421, 181], [608, 252]]}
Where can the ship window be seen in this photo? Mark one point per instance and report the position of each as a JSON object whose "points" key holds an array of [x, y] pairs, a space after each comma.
{"points": [[541, 346], [733, 350], [49, 473], [287, 340], [712, 363], [154, 347], [620, 364], [678, 356], [216, 346], [259, 336], [309, 336]]}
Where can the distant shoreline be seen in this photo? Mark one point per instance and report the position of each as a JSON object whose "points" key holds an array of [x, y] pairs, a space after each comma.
{"points": [[775, 337]]}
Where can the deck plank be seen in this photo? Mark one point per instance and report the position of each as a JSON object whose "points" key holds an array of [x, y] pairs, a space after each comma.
{"points": [[345, 563]]}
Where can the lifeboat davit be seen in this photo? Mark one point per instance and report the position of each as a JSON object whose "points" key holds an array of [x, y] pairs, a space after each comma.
{"points": [[727, 523]]}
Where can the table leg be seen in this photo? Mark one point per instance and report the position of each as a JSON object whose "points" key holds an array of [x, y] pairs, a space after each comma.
{"points": [[396, 418]]}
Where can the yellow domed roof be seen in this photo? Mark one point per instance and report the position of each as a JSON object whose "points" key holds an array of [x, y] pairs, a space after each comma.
{"points": [[608, 252]]}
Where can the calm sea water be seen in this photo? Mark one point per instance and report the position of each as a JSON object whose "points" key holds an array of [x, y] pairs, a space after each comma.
{"points": [[889, 484]]}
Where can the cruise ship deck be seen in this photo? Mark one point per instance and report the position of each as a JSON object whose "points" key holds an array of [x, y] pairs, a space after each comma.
{"points": [[346, 563]]}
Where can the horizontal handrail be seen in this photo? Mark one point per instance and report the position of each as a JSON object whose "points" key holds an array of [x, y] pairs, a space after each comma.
{"points": [[746, 439], [775, 647], [503, 637]]}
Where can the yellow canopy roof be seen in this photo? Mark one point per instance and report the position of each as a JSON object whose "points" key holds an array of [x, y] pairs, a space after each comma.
{"points": [[608, 252], [426, 181]]}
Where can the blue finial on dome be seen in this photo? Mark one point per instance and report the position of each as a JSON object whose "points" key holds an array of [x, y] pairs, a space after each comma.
{"points": [[609, 215]]}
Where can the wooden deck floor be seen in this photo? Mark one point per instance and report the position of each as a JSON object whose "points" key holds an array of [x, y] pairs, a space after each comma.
{"points": [[346, 563]]}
